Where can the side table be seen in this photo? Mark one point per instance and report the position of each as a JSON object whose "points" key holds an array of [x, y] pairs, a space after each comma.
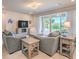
{"points": [[67, 46]]}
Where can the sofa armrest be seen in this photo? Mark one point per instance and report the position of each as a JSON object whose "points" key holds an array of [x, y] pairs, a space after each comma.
{"points": [[48, 37]]}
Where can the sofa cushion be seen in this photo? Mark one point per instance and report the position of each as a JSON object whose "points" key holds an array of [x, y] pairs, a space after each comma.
{"points": [[53, 34]]}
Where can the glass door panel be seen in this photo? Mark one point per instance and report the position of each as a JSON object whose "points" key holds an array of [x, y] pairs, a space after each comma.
{"points": [[55, 24], [63, 19], [46, 25]]}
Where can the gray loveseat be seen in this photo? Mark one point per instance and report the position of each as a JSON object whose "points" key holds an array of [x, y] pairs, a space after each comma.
{"points": [[10, 42], [48, 44]]}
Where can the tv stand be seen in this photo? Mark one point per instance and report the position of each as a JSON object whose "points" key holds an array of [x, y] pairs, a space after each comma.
{"points": [[22, 30]]}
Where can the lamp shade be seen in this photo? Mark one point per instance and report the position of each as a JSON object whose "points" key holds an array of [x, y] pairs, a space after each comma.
{"points": [[33, 30], [67, 24]]}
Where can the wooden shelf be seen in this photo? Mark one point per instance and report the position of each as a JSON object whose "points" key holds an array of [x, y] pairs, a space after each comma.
{"points": [[66, 53], [67, 49]]}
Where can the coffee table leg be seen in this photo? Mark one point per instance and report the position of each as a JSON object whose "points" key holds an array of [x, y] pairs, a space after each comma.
{"points": [[29, 56]]}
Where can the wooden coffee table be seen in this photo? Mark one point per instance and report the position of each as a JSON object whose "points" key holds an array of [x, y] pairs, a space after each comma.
{"points": [[30, 47]]}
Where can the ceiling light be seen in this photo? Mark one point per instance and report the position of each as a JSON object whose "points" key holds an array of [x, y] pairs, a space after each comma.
{"points": [[57, 4], [34, 5]]}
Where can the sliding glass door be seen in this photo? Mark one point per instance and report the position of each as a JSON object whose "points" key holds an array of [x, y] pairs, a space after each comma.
{"points": [[53, 23]]}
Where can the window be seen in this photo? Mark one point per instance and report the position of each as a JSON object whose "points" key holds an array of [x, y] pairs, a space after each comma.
{"points": [[52, 23]]}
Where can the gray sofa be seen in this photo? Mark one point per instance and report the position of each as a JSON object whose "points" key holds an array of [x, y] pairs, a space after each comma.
{"points": [[10, 42], [48, 44]]}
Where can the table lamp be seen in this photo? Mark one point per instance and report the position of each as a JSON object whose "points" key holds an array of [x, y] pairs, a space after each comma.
{"points": [[67, 26]]}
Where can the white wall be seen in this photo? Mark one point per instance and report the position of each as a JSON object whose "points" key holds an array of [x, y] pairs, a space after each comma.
{"points": [[72, 19], [37, 24], [15, 16]]}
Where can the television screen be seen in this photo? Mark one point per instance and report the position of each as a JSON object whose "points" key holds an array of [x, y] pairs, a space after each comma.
{"points": [[22, 24]]}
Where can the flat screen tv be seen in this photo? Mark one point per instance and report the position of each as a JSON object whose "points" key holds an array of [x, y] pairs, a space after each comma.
{"points": [[22, 24]]}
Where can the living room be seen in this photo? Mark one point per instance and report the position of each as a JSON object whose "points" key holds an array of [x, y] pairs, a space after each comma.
{"points": [[52, 24]]}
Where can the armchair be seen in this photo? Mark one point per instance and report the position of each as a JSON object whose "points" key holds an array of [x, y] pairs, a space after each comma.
{"points": [[49, 45]]}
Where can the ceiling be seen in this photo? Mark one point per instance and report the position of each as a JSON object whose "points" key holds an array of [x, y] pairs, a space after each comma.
{"points": [[21, 5]]}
